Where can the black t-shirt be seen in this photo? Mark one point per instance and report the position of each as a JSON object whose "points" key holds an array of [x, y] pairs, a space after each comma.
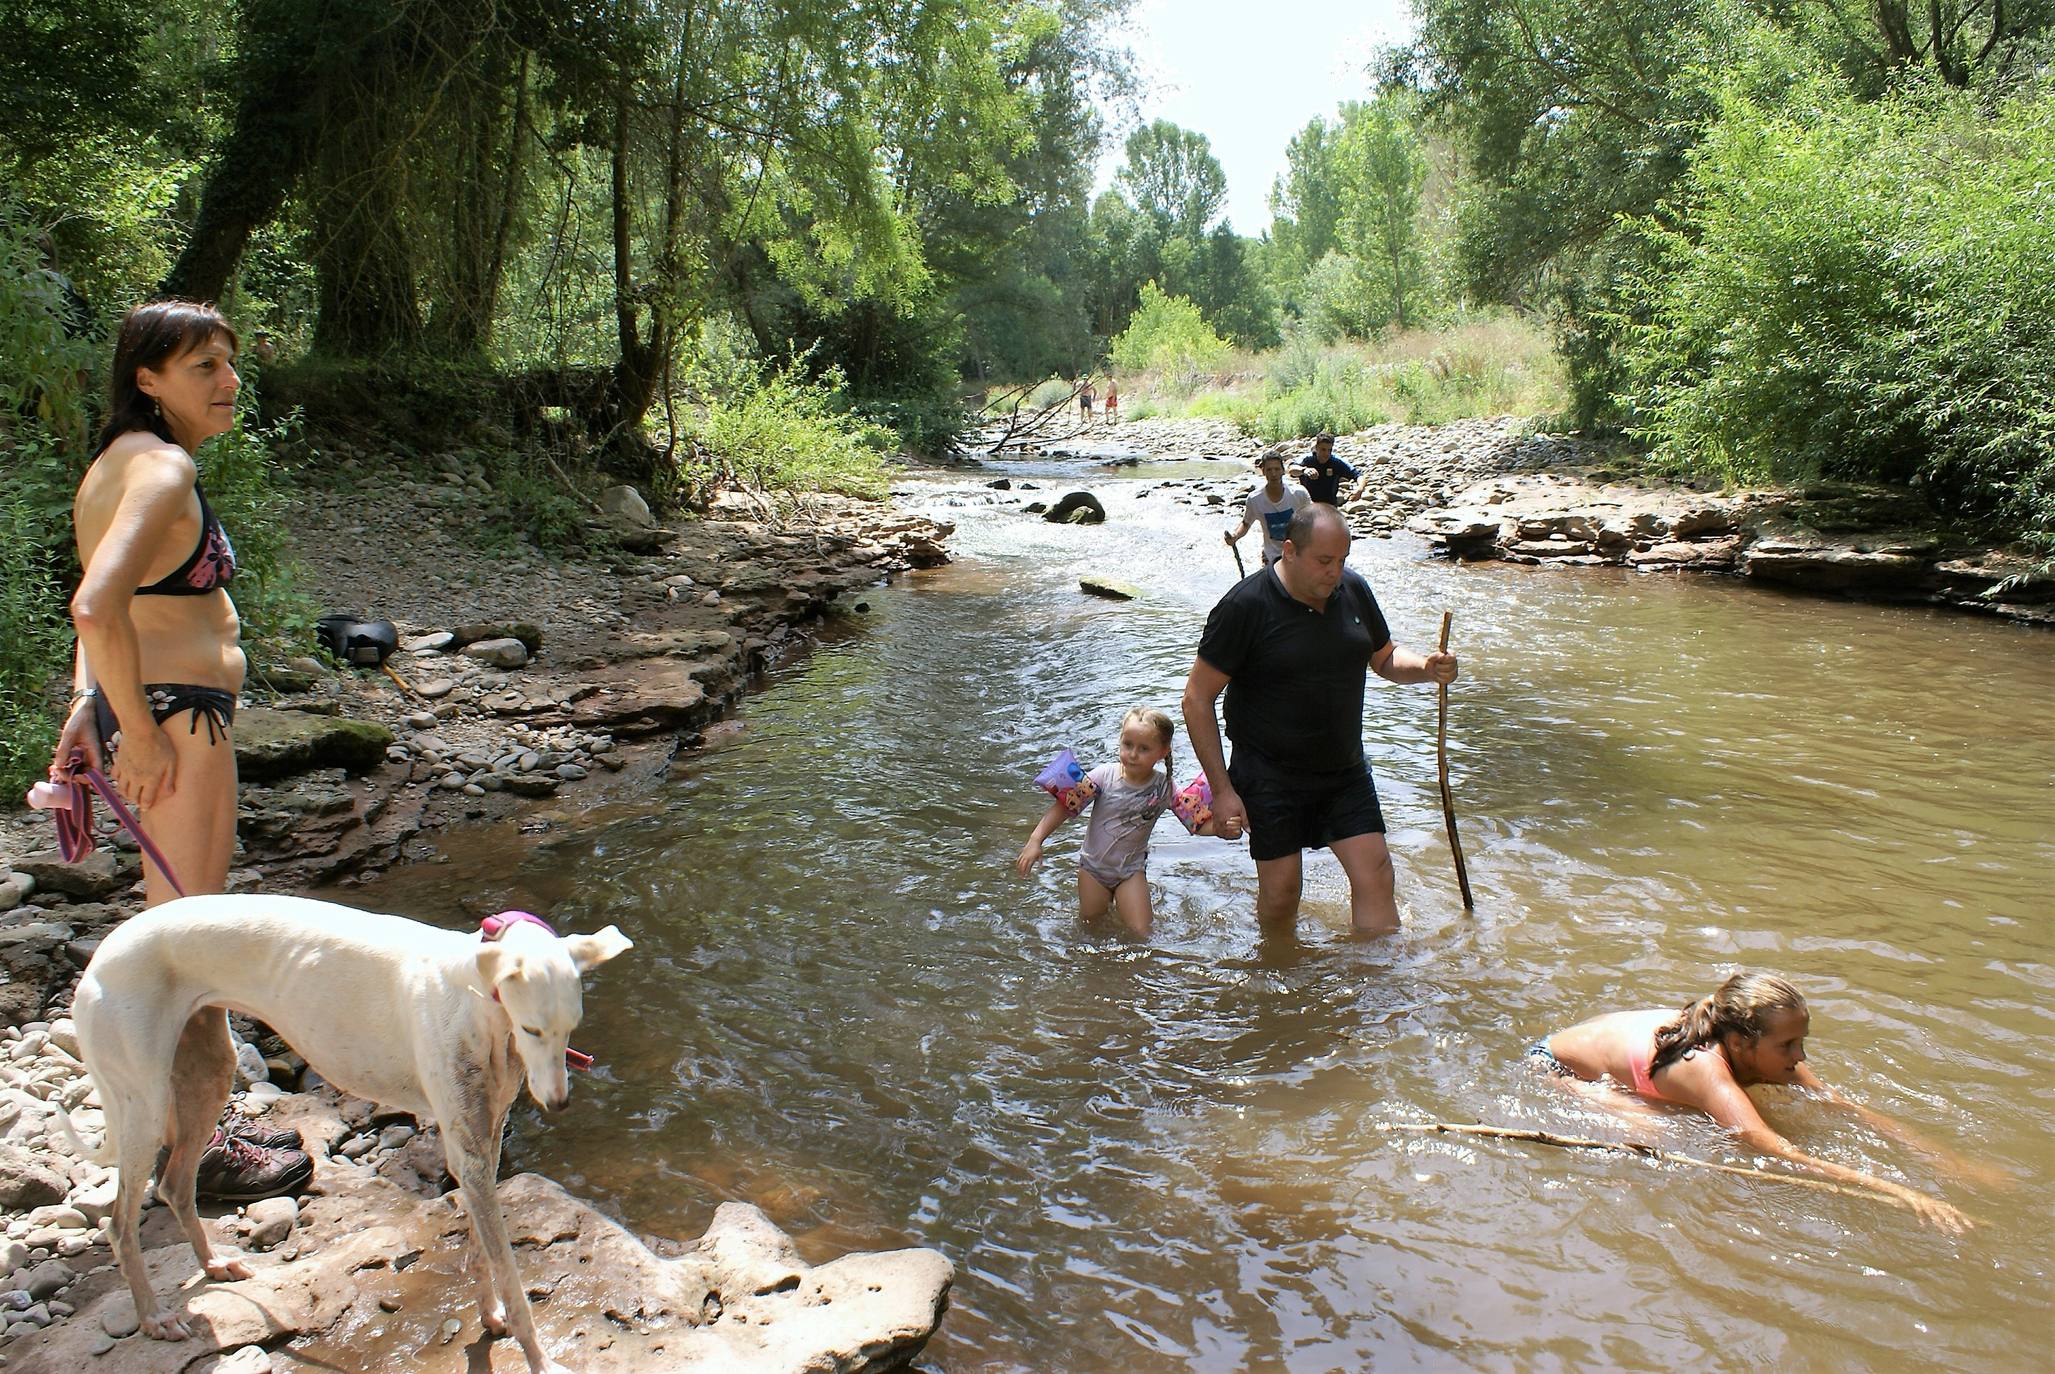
{"points": [[1323, 481], [1295, 676]]}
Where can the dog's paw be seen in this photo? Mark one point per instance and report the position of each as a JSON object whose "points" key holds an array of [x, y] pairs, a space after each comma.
{"points": [[227, 1268], [494, 1317], [163, 1326]]}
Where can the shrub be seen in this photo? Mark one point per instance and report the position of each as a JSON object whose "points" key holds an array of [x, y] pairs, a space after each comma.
{"points": [[1862, 290], [772, 429], [45, 364], [1169, 335]]}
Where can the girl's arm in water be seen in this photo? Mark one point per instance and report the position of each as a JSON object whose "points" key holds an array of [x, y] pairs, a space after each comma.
{"points": [[1044, 828], [1709, 1085], [1904, 1134]]}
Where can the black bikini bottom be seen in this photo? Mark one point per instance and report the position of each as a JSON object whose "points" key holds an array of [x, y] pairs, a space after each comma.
{"points": [[168, 699]]}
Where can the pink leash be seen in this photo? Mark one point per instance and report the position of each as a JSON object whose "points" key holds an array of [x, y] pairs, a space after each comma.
{"points": [[491, 928], [70, 804]]}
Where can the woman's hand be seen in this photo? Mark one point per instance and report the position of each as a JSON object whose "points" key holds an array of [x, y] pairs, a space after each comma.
{"points": [[1029, 854], [81, 735], [146, 769]]}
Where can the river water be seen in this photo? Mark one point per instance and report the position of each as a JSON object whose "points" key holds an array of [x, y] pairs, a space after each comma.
{"points": [[1168, 1154]]}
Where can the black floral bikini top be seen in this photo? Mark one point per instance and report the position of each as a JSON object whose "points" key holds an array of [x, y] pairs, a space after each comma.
{"points": [[211, 563]]}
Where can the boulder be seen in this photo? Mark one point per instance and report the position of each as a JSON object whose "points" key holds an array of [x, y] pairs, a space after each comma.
{"points": [[530, 635], [624, 506], [1078, 508], [100, 874], [276, 744], [29, 1181], [507, 652]]}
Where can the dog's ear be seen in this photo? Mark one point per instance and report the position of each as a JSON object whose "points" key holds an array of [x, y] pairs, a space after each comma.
{"points": [[590, 951], [492, 962]]}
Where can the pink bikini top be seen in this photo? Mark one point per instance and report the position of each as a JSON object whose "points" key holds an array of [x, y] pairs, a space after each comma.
{"points": [[1637, 1063], [211, 564]]}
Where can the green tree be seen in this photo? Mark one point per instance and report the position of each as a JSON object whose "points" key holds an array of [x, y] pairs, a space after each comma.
{"points": [[1382, 169], [1305, 203], [1172, 177]]}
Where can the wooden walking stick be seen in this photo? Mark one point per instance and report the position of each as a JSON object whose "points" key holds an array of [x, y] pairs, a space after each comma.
{"points": [[1448, 800], [1240, 571]]}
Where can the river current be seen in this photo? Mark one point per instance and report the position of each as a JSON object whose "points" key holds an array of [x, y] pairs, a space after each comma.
{"points": [[1170, 1154]]}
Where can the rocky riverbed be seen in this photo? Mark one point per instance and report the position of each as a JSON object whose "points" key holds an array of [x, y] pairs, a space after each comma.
{"points": [[1495, 489]]}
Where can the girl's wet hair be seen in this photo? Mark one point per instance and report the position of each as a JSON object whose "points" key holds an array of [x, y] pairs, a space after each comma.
{"points": [[1157, 721], [1743, 1004], [150, 335]]}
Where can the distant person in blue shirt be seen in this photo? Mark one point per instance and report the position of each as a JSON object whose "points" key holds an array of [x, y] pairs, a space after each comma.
{"points": [[1323, 474]]}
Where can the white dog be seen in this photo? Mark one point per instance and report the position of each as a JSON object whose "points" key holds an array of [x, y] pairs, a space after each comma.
{"points": [[429, 1021]]}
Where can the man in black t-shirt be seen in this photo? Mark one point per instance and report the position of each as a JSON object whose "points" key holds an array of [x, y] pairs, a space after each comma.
{"points": [[1322, 474], [1292, 647]]}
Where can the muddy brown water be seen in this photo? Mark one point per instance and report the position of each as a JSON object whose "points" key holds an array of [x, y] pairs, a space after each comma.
{"points": [[1166, 1155]]}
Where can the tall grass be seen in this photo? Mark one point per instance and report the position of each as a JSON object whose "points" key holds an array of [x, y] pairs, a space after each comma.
{"points": [[1484, 365]]}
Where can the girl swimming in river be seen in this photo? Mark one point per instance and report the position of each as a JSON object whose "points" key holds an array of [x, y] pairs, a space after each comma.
{"points": [[1112, 868], [1751, 1030]]}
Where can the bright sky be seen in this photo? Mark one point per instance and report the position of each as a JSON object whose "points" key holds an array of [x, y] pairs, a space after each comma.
{"points": [[1249, 76]]}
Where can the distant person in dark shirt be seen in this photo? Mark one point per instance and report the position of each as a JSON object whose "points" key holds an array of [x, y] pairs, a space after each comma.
{"points": [[1291, 646], [1323, 474]]}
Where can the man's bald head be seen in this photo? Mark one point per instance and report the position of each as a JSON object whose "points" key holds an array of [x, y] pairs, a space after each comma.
{"points": [[1310, 520]]}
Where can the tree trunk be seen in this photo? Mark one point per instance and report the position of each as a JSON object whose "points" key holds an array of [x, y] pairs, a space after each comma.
{"points": [[268, 149]]}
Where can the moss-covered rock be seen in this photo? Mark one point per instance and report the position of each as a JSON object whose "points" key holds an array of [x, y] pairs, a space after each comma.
{"points": [[277, 744]]}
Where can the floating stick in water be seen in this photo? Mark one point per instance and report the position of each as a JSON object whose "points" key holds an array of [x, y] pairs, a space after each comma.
{"points": [[1634, 1147]]}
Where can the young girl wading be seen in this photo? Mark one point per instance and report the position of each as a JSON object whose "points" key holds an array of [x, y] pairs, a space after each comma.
{"points": [[1112, 868], [1751, 1030]]}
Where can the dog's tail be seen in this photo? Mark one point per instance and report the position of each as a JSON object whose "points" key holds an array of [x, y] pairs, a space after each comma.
{"points": [[104, 1155]]}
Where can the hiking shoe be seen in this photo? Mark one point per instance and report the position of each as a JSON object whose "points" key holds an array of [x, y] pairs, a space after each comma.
{"points": [[256, 1133], [233, 1170]]}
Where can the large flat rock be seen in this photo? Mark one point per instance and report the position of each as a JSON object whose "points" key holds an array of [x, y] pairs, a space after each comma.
{"points": [[277, 744], [374, 1271]]}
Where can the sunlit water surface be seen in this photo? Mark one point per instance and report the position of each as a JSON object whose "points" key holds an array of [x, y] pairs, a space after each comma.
{"points": [[844, 1006]]}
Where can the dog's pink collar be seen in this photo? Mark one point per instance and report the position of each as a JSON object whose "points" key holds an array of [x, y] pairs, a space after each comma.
{"points": [[492, 927]]}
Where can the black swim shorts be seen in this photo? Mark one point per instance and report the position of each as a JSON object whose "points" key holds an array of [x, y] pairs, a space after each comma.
{"points": [[1289, 812]]}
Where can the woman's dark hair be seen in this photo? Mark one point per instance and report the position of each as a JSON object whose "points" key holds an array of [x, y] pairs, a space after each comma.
{"points": [[149, 335], [1743, 1004]]}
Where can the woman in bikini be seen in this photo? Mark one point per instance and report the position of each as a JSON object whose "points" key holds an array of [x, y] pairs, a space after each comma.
{"points": [[1751, 1030], [158, 664]]}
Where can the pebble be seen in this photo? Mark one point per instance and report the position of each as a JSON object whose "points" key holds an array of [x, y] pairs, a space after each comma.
{"points": [[450, 1328]]}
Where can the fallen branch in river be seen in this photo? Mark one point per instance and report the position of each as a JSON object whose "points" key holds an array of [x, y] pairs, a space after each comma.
{"points": [[1632, 1147]]}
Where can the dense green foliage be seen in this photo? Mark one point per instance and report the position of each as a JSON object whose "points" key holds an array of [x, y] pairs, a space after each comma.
{"points": [[1861, 289], [1776, 239]]}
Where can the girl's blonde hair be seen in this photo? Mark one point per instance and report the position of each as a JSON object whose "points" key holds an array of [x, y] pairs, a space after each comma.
{"points": [[1160, 723], [1743, 1004]]}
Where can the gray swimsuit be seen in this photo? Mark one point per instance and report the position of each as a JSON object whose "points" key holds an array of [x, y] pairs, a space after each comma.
{"points": [[1117, 839]]}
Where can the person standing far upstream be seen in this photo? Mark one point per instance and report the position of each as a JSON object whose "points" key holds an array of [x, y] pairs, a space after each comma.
{"points": [[1322, 474], [1272, 506], [1290, 646]]}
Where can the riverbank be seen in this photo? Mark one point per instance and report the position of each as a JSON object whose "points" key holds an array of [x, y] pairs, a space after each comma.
{"points": [[525, 683]]}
